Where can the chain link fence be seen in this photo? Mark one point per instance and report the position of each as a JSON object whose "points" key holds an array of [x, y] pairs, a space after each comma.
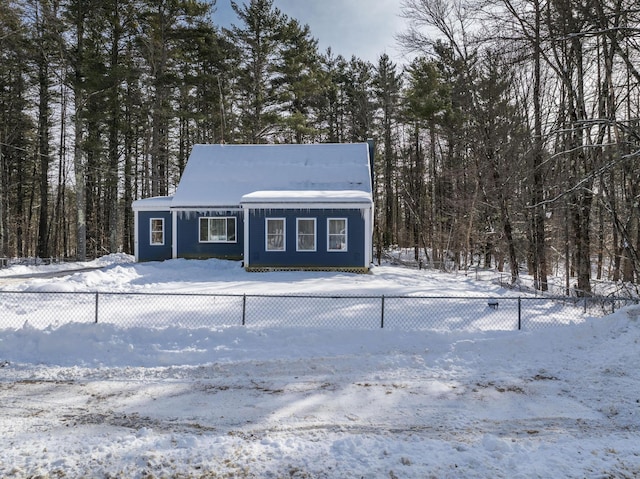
{"points": [[150, 310]]}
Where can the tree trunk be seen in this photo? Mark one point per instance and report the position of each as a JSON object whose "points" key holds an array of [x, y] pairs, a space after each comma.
{"points": [[539, 234], [114, 127], [44, 99], [79, 158], [160, 106]]}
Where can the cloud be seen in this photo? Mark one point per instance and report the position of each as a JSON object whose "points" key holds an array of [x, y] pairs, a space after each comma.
{"points": [[364, 28]]}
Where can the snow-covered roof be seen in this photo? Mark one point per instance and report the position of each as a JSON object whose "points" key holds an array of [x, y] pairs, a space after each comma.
{"points": [[220, 175], [305, 197], [153, 204]]}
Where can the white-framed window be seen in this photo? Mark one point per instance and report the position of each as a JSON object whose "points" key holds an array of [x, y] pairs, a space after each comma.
{"points": [[275, 236], [156, 229], [337, 234], [218, 230], [306, 234]]}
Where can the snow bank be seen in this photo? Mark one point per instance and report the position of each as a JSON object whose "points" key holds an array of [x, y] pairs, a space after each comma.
{"points": [[85, 400]]}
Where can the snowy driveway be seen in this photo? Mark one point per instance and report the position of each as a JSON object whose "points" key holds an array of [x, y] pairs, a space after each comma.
{"points": [[333, 405]]}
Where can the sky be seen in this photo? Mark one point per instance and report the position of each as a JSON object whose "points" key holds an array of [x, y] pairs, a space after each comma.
{"points": [[365, 28]]}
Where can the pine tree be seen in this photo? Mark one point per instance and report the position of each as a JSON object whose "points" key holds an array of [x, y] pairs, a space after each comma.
{"points": [[258, 38], [332, 107], [16, 128], [299, 82], [426, 105], [163, 24], [46, 32], [388, 85], [359, 100]]}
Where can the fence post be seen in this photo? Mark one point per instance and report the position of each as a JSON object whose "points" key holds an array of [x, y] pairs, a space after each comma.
{"points": [[244, 309], [96, 317], [519, 313], [382, 313]]}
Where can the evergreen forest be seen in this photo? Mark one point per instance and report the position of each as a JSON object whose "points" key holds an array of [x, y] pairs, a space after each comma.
{"points": [[508, 136]]}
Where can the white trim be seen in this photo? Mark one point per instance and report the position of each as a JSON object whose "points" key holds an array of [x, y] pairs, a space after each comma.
{"points": [[368, 237], [245, 220], [315, 235], [136, 248], [151, 231], [346, 235], [308, 205], [284, 235], [174, 235]]}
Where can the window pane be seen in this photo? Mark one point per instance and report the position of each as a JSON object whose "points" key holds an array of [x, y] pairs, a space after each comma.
{"points": [[157, 231], [231, 229], [274, 226], [275, 235], [306, 227], [217, 229], [337, 235], [337, 243], [156, 225], [306, 243], [204, 229], [336, 226], [306, 234]]}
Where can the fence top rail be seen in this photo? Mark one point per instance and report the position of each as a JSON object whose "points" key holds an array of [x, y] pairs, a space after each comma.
{"points": [[331, 296]]}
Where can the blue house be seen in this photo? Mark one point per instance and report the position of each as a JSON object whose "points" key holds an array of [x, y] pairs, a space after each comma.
{"points": [[271, 206]]}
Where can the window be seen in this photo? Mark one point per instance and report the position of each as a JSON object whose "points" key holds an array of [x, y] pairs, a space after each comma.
{"points": [[218, 230], [275, 236], [306, 232], [157, 231], [337, 231]]}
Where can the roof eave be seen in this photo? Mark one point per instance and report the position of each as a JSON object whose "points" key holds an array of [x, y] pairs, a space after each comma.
{"points": [[307, 204]]}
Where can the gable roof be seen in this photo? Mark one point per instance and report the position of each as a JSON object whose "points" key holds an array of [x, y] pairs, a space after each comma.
{"points": [[156, 203], [220, 175]]}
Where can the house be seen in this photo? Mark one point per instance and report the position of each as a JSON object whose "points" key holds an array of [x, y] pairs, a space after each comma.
{"points": [[271, 206]]}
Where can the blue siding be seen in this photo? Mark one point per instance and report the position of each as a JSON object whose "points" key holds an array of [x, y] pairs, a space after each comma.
{"points": [[147, 251], [189, 245], [354, 257]]}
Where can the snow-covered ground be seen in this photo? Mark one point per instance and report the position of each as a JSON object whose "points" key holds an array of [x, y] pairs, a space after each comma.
{"points": [[87, 400]]}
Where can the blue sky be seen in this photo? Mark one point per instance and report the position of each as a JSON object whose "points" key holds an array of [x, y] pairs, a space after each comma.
{"points": [[365, 28]]}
